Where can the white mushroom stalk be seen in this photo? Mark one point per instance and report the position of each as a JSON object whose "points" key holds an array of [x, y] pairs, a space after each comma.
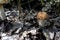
{"points": [[2, 14]]}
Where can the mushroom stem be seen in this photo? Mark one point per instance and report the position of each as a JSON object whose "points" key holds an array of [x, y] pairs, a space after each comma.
{"points": [[2, 14], [41, 22]]}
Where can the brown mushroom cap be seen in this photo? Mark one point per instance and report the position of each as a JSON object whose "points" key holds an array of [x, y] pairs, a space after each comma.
{"points": [[42, 16], [3, 1]]}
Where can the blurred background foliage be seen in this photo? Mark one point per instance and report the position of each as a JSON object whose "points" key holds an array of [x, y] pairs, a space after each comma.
{"points": [[36, 4]]}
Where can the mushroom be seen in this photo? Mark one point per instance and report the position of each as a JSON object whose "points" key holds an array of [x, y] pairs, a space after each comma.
{"points": [[41, 17], [2, 14]]}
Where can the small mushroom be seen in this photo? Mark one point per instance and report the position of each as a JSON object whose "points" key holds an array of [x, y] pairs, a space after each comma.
{"points": [[2, 14], [41, 17]]}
